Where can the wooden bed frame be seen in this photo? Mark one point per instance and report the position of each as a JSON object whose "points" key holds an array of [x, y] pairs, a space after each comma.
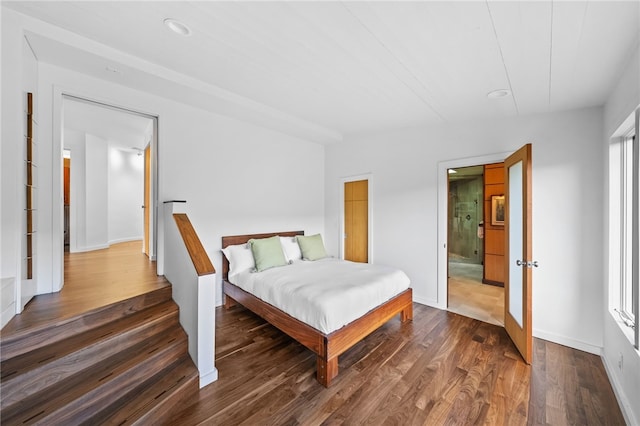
{"points": [[327, 347]]}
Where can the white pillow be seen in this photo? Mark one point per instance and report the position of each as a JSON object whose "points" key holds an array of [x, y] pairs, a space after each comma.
{"points": [[291, 249], [240, 258]]}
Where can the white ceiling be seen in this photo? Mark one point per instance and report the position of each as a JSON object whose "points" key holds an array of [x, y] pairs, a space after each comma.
{"points": [[323, 70]]}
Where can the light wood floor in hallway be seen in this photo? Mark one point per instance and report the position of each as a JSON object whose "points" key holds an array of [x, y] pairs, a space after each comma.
{"points": [[91, 280], [468, 296]]}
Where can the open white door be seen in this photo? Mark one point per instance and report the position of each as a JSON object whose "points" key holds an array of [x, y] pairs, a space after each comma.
{"points": [[518, 253], [147, 200]]}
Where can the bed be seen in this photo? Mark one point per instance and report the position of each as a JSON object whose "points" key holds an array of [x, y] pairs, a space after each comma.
{"points": [[327, 346]]}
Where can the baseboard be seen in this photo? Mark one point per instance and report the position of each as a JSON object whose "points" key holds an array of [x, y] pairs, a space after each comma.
{"points": [[208, 378], [8, 300], [428, 302], [105, 246], [623, 401], [494, 283], [125, 240], [91, 248], [567, 341]]}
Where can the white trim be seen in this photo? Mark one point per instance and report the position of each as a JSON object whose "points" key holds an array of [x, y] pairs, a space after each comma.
{"points": [[57, 196], [423, 301], [443, 199], [210, 377], [90, 248], [567, 341], [623, 401], [369, 178], [8, 299], [57, 208], [126, 240]]}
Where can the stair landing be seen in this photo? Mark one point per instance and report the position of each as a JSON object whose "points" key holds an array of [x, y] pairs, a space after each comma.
{"points": [[92, 280], [108, 348]]}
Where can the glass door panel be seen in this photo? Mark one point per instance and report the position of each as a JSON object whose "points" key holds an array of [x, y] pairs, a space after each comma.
{"points": [[515, 242]]}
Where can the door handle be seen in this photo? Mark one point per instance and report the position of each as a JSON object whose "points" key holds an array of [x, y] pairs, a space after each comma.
{"points": [[526, 264]]}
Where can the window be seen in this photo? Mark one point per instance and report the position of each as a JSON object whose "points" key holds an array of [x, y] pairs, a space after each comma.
{"points": [[626, 221], [624, 194]]}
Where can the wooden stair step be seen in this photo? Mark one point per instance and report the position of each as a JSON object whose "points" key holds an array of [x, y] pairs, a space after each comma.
{"points": [[97, 390], [153, 404], [20, 341], [28, 374]]}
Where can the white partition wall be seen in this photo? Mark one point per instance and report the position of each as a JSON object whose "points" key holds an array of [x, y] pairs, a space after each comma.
{"points": [[195, 295]]}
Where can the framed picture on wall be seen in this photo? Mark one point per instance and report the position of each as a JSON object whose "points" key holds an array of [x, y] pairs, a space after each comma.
{"points": [[497, 210]]}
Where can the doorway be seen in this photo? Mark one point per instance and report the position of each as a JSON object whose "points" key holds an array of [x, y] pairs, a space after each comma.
{"points": [[516, 211], [110, 192], [356, 221], [470, 260], [67, 199]]}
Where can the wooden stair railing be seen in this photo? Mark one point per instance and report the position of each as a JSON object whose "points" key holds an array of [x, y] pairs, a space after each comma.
{"points": [[196, 250]]}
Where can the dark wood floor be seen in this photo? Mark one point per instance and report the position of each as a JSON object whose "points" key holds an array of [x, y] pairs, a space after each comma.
{"points": [[442, 368]]}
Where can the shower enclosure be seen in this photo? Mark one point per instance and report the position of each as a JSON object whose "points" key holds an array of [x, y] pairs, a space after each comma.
{"points": [[465, 219]]}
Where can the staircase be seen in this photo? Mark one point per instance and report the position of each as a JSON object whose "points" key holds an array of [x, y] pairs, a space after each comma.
{"points": [[125, 363]]}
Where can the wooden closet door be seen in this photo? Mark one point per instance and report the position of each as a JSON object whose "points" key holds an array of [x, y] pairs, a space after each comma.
{"points": [[356, 221]]}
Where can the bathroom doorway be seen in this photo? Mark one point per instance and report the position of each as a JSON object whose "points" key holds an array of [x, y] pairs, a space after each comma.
{"points": [[470, 292]]}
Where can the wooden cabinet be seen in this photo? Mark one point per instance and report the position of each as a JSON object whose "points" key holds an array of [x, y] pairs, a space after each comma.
{"points": [[494, 242]]}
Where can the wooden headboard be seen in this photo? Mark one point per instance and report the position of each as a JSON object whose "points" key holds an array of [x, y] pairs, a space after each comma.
{"points": [[241, 239]]}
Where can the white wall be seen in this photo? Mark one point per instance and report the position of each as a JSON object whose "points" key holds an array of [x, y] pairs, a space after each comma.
{"points": [[12, 141], [624, 99], [194, 294], [106, 193], [16, 81], [126, 195], [96, 195], [74, 141], [567, 195], [237, 177]]}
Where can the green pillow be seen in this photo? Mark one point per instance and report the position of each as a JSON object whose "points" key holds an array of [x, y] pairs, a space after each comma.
{"points": [[311, 247], [267, 252]]}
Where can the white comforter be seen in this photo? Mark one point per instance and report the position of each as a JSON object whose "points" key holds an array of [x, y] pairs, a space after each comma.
{"points": [[326, 294]]}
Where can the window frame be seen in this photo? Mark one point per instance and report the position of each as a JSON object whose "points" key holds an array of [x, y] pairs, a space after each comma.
{"points": [[624, 212], [636, 230]]}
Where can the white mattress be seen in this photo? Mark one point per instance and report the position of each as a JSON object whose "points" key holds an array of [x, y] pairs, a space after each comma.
{"points": [[326, 294]]}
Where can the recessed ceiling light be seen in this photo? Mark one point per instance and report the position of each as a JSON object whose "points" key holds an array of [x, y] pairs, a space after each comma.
{"points": [[177, 26], [497, 94], [452, 171], [112, 69]]}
